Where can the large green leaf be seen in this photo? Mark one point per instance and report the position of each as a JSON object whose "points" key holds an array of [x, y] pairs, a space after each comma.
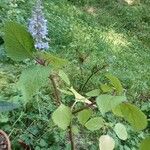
{"points": [[145, 144], [84, 115], [7, 106], [94, 123], [108, 102], [32, 79], [18, 42], [133, 115], [121, 131], [115, 82], [52, 60], [62, 116]]}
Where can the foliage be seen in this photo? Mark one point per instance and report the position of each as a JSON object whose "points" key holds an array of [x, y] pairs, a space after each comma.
{"points": [[88, 34]]}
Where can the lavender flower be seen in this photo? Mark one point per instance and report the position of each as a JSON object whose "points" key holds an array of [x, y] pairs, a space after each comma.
{"points": [[38, 26]]}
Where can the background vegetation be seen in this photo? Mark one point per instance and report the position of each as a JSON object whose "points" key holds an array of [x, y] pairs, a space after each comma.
{"points": [[88, 33]]}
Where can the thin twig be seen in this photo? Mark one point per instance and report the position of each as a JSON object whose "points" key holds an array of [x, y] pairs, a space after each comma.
{"points": [[56, 91], [85, 107], [71, 138], [91, 75]]}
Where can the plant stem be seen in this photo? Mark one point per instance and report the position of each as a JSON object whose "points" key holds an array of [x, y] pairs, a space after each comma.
{"points": [[56, 92], [91, 75], [71, 138], [85, 107]]}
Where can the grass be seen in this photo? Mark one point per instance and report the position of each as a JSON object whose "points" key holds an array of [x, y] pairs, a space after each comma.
{"points": [[88, 33]]}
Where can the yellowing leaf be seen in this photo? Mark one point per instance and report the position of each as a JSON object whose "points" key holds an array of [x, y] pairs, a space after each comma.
{"points": [[121, 131], [107, 102], [94, 123], [106, 143], [62, 116]]}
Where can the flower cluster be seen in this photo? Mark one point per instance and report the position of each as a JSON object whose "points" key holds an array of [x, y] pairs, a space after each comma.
{"points": [[38, 27]]}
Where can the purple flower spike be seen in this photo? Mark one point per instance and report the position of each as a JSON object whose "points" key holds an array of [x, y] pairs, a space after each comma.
{"points": [[38, 27]]}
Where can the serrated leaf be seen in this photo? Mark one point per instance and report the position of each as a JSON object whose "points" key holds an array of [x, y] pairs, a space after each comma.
{"points": [[105, 88], [108, 102], [18, 42], [145, 144], [93, 93], [106, 143], [78, 97], [62, 116], [52, 60], [116, 83], [133, 115], [7, 106], [32, 79], [64, 77], [121, 131], [94, 123], [84, 115]]}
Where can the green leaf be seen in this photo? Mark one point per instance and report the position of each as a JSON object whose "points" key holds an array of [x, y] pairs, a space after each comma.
{"points": [[107, 102], [94, 123], [121, 131], [62, 116], [93, 93], [52, 60], [84, 115], [145, 144], [64, 77], [18, 42], [7, 106], [32, 79], [106, 143], [105, 88], [133, 115], [116, 83]]}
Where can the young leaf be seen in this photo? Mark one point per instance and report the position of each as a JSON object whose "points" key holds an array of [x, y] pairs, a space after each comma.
{"points": [[107, 102], [79, 97], [62, 116], [105, 88], [145, 144], [106, 143], [18, 42], [64, 77], [84, 115], [116, 83], [32, 79], [52, 60], [7, 106], [93, 93], [133, 115], [121, 131], [94, 123]]}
